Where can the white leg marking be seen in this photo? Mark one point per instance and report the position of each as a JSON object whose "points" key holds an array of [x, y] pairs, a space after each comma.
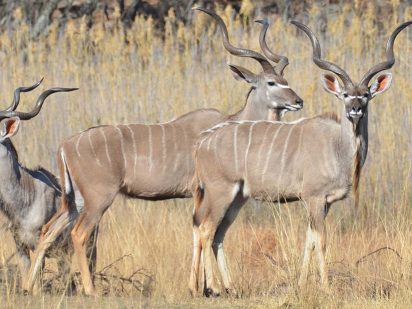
{"points": [[106, 146], [270, 152], [93, 150], [134, 151]]}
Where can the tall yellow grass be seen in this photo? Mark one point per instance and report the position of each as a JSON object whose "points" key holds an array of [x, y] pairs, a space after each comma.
{"points": [[137, 75]]}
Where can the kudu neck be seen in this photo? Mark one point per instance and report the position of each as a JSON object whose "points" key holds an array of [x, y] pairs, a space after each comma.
{"points": [[9, 178], [253, 109], [355, 135]]}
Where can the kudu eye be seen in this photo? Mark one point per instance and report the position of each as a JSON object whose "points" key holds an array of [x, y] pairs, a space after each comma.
{"points": [[345, 95], [271, 83], [366, 95]]}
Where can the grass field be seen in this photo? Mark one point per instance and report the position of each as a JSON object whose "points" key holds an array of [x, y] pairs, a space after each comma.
{"points": [[155, 79]]}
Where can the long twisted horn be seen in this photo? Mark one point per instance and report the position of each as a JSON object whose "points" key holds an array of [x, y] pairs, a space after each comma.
{"points": [[282, 61], [236, 51], [16, 97], [37, 107], [317, 58], [389, 55]]}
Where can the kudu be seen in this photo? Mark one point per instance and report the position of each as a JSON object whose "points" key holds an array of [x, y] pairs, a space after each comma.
{"points": [[152, 162], [315, 160], [28, 198]]}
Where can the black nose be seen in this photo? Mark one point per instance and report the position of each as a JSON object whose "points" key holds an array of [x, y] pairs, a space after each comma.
{"points": [[299, 101]]}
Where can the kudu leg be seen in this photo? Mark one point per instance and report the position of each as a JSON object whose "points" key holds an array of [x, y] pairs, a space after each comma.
{"points": [[214, 206], [194, 271], [82, 231], [315, 240], [218, 250]]}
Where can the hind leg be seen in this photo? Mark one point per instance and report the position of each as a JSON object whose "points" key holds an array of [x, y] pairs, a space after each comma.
{"points": [[218, 250], [194, 272], [82, 230], [214, 206]]}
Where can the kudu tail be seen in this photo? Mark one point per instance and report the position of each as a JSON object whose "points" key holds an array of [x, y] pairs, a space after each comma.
{"points": [[59, 223]]}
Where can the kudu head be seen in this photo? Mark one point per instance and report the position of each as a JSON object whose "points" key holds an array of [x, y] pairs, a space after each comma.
{"points": [[355, 96], [271, 87], [12, 117]]}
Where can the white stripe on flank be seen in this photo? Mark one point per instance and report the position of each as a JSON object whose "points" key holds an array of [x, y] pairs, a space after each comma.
{"points": [[77, 143], [235, 147], [209, 141], [134, 151], [247, 148], [122, 147], [187, 160], [176, 150], [92, 147], [164, 150], [106, 146], [270, 152], [262, 144], [150, 148], [283, 158]]}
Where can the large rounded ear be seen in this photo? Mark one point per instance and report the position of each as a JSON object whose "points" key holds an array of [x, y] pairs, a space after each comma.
{"points": [[331, 84], [381, 84], [10, 127], [241, 73]]}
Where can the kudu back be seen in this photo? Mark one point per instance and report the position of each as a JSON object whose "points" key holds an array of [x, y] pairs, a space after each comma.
{"points": [[153, 162], [315, 160], [28, 197]]}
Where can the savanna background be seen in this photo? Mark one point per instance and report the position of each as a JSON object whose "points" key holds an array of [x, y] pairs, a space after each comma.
{"points": [[152, 61]]}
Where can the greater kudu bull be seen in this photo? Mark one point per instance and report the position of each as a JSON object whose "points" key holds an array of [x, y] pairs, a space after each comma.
{"points": [[315, 160], [28, 198], [152, 162]]}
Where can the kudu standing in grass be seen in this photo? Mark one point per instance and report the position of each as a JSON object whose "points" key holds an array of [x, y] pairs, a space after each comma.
{"points": [[315, 160], [151, 162], [28, 198]]}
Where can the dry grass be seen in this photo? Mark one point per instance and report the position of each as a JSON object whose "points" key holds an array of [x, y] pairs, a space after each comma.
{"points": [[151, 80]]}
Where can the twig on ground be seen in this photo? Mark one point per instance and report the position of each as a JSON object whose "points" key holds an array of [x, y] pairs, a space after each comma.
{"points": [[377, 251]]}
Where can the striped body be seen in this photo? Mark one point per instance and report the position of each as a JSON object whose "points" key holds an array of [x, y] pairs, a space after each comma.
{"points": [[142, 161], [276, 161]]}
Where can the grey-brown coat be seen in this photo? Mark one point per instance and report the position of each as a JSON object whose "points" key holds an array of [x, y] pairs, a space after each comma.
{"points": [[315, 160]]}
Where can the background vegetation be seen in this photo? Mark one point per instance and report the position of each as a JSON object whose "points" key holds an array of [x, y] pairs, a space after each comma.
{"points": [[150, 73]]}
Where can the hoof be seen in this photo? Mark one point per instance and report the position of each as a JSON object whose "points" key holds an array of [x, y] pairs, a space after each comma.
{"points": [[209, 292], [26, 292]]}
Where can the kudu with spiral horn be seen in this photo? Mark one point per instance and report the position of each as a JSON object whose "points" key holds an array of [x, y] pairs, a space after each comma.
{"points": [[310, 160], [355, 96], [270, 85], [152, 162], [28, 198]]}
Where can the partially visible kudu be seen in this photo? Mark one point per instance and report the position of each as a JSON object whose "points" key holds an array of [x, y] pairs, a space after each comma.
{"points": [[315, 160], [152, 162], [28, 198]]}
